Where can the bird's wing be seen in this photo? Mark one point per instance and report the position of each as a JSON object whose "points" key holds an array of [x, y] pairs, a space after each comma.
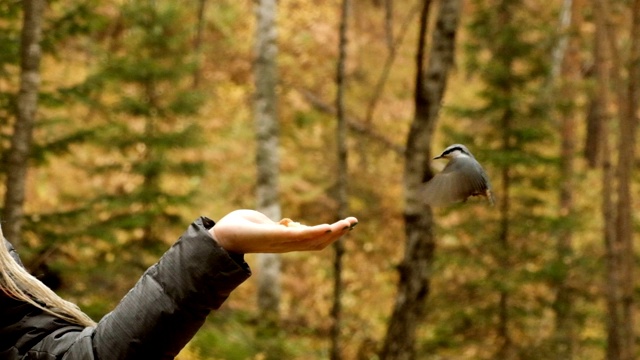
{"points": [[455, 183]]}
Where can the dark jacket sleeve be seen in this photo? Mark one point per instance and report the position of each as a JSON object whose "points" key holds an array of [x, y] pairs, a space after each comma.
{"points": [[171, 300]]}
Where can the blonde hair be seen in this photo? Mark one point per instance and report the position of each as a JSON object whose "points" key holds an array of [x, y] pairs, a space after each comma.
{"points": [[17, 283]]}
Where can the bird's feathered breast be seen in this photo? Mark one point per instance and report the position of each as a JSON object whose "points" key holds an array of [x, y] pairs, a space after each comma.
{"points": [[462, 177]]}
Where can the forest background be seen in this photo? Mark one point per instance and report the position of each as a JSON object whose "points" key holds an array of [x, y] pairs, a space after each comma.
{"points": [[145, 118]]}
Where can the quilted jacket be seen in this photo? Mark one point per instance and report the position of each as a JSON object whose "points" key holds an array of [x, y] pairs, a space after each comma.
{"points": [[155, 320]]}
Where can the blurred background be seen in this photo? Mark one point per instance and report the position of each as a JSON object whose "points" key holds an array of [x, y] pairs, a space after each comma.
{"points": [[148, 114]]}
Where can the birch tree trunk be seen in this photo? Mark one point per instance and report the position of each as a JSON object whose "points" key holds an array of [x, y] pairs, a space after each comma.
{"points": [[342, 186], [431, 82], [267, 157], [18, 155]]}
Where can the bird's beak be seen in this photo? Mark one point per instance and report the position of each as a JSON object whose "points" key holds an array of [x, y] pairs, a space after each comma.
{"points": [[437, 157]]}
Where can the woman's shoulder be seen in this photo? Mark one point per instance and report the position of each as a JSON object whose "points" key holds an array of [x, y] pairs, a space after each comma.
{"points": [[24, 326]]}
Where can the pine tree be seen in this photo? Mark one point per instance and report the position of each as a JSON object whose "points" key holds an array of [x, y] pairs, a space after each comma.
{"points": [[148, 170], [9, 60], [508, 132], [26, 112], [414, 285]]}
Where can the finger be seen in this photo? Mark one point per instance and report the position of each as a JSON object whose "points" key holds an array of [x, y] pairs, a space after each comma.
{"points": [[334, 233], [345, 224], [336, 229], [257, 236], [304, 238]]}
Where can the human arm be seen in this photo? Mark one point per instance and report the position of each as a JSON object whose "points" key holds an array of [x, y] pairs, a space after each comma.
{"points": [[172, 299]]}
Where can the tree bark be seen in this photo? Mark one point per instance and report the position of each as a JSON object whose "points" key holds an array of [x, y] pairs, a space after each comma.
{"points": [[388, 24], [18, 155], [592, 144], [618, 214], [431, 82], [506, 344], [624, 219], [611, 249], [505, 347], [267, 156], [342, 184], [197, 42], [564, 302]]}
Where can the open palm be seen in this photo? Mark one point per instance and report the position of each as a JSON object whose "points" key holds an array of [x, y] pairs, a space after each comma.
{"points": [[249, 231]]}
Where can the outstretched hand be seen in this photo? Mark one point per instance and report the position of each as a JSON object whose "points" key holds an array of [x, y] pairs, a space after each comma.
{"points": [[249, 231]]}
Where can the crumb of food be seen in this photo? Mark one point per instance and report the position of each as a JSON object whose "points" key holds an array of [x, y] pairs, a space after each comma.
{"points": [[289, 223]]}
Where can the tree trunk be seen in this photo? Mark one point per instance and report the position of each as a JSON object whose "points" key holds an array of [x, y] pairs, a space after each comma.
{"points": [[267, 157], [592, 150], [431, 81], [505, 346], [612, 251], [18, 155], [618, 215], [563, 303], [197, 42], [388, 24], [624, 220], [342, 186], [558, 55]]}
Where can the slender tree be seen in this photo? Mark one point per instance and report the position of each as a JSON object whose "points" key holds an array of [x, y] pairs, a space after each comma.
{"points": [[506, 91], [27, 106], [143, 112], [563, 306], [431, 83], [626, 158], [197, 41], [267, 156], [618, 232], [53, 133], [512, 123], [10, 30], [612, 279], [342, 193], [388, 24], [592, 143]]}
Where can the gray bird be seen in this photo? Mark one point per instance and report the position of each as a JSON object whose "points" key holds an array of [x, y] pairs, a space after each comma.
{"points": [[461, 178]]}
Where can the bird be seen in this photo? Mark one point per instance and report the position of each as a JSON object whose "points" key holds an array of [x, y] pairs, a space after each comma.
{"points": [[461, 178]]}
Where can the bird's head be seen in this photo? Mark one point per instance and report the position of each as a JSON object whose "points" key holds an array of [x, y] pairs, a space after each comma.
{"points": [[454, 151]]}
